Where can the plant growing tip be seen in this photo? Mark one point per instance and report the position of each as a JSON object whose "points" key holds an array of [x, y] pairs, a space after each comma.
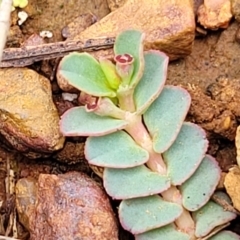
{"points": [[110, 72], [124, 67], [153, 160]]}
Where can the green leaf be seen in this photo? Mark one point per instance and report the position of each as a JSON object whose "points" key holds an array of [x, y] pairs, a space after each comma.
{"points": [[131, 42], [134, 182], [168, 232], [152, 81], [211, 215], [197, 190], [83, 71], [77, 122], [182, 161], [115, 150], [225, 235], [139, 215], [165, 116], [109, 70]]}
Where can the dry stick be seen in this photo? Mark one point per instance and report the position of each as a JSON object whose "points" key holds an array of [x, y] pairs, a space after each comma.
{"points": [[24, 56], [5, 12], [224, 203]]}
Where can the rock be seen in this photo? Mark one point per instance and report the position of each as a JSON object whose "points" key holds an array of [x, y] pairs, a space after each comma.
{"points": [[236, 9], [169, 25], [237, 144], [71, 153], [78, 25], [65, 86], [115, 4], [215, 14], [26, 197], [232, 185], [197, 4], [29, 120], [67, 206]]}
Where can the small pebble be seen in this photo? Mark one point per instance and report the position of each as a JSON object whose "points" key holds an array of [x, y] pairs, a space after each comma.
{"points": [[22, 17], [46, 34], [69, 96]]}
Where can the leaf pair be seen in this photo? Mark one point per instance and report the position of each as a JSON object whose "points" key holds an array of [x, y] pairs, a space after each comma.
{"points": [[85, 73]]}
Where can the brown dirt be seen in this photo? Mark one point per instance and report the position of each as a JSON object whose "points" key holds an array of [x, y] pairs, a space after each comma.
{"points": [[211, 74]]}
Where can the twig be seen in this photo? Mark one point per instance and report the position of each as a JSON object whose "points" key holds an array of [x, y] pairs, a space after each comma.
{"points": [[5, 12], [222, 202], [24, 56]]}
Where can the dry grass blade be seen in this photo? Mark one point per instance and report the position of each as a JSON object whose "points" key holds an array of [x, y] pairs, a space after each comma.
{"points": [[5, 12], [7, 238]]}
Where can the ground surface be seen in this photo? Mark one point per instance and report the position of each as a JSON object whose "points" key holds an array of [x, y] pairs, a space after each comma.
{"points": [[211, 73]]}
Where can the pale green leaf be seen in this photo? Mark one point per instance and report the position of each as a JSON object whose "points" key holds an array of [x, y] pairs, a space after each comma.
{"points": [[152, 81], [84, 72], [197, 190], [115, 150], [165, 116], [77, 122], [134, 182], [139, 215], [131, 42], [168, 232], [211, 215], [225, 235], [186, 153]]}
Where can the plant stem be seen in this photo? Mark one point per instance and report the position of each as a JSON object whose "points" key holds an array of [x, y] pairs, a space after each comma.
{"points": [[141, 136], [184, 222], [125, 97]]}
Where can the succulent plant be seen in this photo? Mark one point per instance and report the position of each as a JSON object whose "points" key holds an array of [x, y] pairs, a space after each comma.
{"points": [[153, 160]]}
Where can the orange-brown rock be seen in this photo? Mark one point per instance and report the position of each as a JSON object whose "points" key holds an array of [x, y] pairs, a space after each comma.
{"points": [[236, 9], [169, 25], [237, 144], [214, 14], [115, 4], [68, 206], [232, 185], [29, 120]]}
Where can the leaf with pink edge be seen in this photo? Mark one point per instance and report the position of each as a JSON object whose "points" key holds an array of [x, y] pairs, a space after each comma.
{"points": [[182, 161], [165, 116], [134, 182], [115, 150], [211, 215], [153, 79], [77, 122], [131, 42], [139, 215], [225, 235], [168, 232], [197, 190], [84, 72]]}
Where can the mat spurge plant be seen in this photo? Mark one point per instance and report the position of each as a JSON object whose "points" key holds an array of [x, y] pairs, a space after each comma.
{"points": [[153, 160]]}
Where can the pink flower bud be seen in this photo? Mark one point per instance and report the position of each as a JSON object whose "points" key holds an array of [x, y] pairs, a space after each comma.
{"points": [[124, 67]]}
